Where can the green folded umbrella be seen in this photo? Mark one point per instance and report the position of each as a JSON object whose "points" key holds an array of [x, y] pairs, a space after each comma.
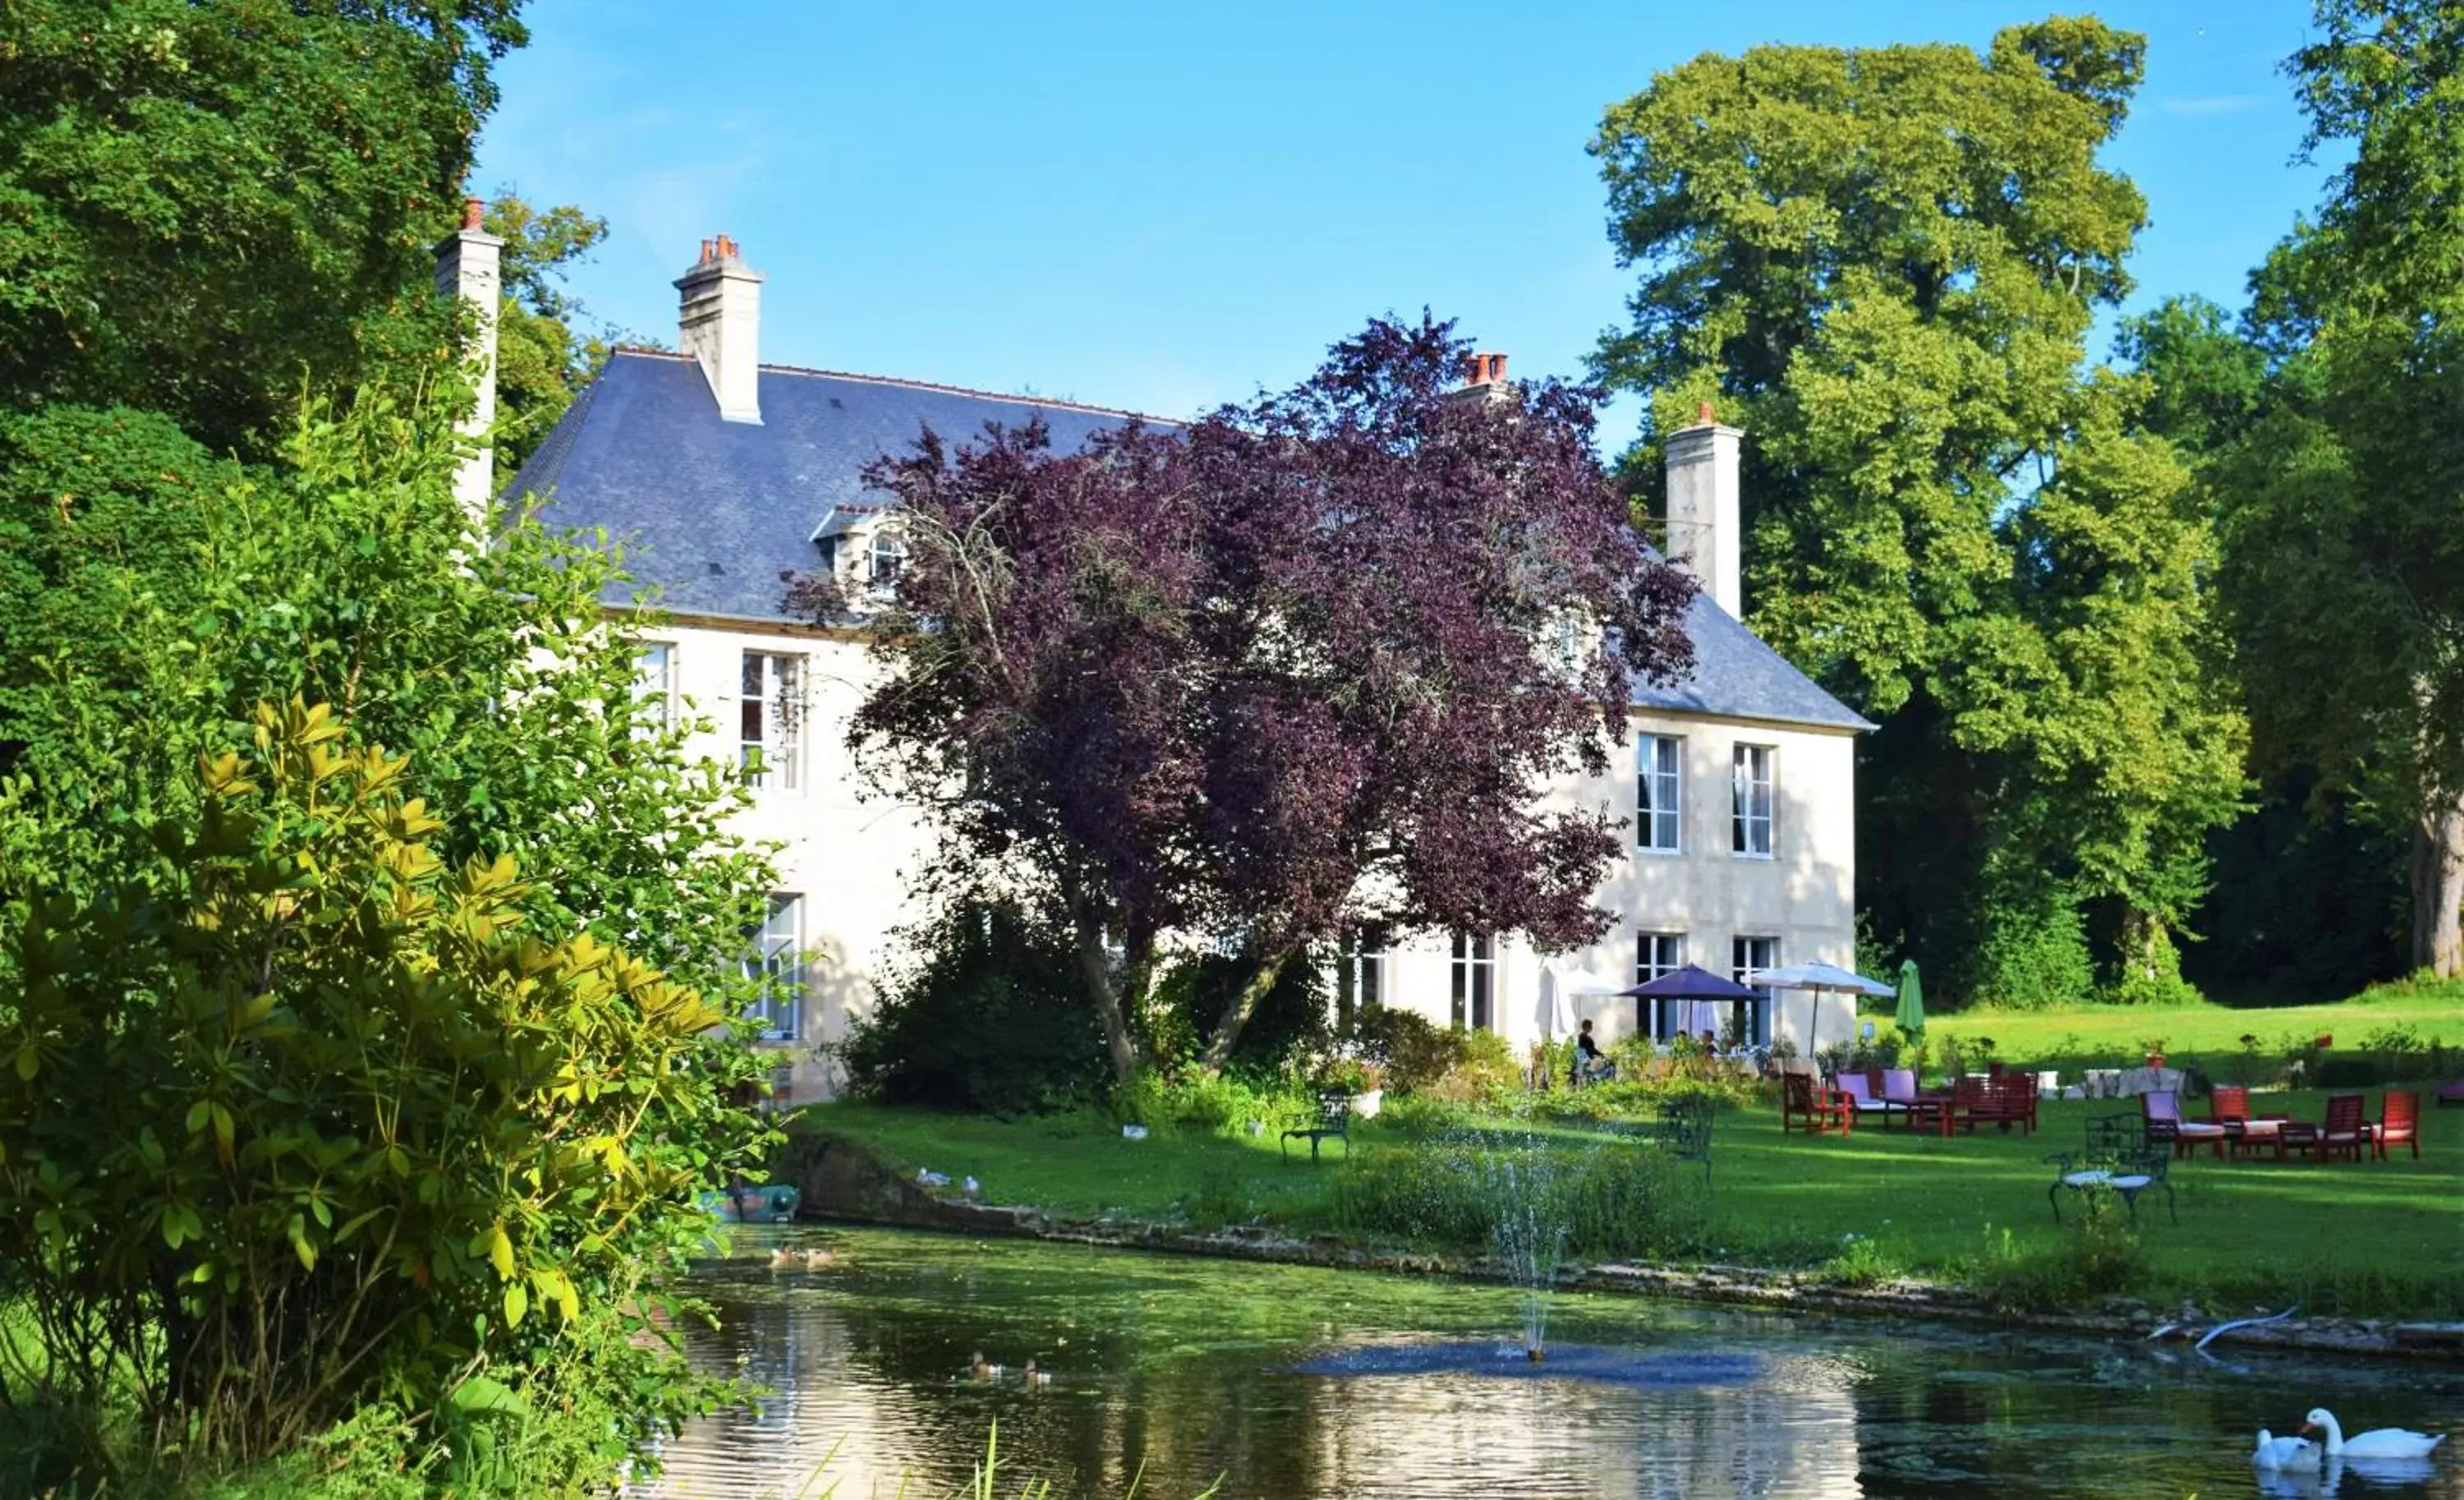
{"points": [[1910, 1015]]}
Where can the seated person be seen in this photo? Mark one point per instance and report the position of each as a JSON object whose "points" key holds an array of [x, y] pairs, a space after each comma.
{"points": [[1590, 1064]]}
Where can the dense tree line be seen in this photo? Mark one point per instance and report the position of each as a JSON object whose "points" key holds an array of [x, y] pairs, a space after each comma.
{"points": [[2162, 648], [318, 1108]]}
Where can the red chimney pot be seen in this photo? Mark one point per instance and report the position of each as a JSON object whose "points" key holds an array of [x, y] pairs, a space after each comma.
{"points": [[472, 208], [1497, 368], [1703, 414]]}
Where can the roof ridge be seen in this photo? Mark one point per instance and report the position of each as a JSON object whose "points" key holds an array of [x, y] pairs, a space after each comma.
{"points": [[1055, 402]]}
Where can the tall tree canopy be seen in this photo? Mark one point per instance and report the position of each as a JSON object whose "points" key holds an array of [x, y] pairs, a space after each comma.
{"points": [[2343, 497], [1298, 665], [1884, 263], [205, 206]]}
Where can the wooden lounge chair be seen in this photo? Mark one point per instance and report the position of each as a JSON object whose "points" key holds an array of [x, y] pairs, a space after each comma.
{"points": [[2120, 1158], [2345, 1131], [1331, 1122], [1802, 1097], [2399, 1122], [1865, 1098], [2161, 1108], [2004, 1101], [2230, 1107]]}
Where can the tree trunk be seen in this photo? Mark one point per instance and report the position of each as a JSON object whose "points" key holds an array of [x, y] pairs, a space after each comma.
{"points": [[2438, 886], [1103, 987], [1243, 1005]]}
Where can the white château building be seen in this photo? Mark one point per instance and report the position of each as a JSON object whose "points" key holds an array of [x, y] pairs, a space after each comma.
{"points": [[720, 474]]}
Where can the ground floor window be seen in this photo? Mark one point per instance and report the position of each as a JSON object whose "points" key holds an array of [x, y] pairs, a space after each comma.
{"points": [[1360, 969], [1657, 955], [777, 966], [1750, 1020], [1475, 982]]}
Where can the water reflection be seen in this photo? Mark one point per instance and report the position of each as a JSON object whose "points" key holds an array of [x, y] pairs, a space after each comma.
{"points": [[1304, 1383]]}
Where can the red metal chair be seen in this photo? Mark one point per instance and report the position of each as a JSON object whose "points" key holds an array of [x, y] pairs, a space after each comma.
{"points": [[2399, 1121]]}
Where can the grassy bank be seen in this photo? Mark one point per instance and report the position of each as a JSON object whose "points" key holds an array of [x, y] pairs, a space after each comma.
{"points": [[2113, 1033], [2375, 1240]]}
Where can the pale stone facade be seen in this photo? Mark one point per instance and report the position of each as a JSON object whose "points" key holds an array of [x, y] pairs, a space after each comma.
{"points": [[722, 473]]}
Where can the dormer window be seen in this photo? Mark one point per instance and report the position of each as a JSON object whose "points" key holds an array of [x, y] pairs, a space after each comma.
{"points": [[885, 556]]}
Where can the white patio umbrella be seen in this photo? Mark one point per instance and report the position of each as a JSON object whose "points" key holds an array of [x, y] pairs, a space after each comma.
{"points": [[1556, 1006], [1819, 979]]}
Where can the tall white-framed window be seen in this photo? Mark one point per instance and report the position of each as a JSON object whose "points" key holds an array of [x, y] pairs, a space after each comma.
{"points": [[771, 711], [1475, 982], [1659, 790], [1361, 968], [1748, 960], [884, 560], [654, 681], [1755, 796], [1657, 955], [776, 965]]}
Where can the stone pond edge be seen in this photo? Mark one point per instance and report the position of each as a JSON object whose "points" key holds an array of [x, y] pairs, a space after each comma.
{"points": [[841, 1180]]}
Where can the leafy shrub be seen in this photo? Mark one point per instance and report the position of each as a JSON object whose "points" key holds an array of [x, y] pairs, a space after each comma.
{"points": [[985, 1012], [2037, 960], [2348, 1070], [2102, 1255], [1415, 1051], [1487, 1073], [2155, 981], [1290, 1020], [1861, 1263], [368, 1133], [1615, 1199], [1224, 1104]]}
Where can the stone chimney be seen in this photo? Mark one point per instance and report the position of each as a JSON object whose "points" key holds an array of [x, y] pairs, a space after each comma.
{"points": [[1484, 379], [1705, 535], [467, 267], [718, 322]]}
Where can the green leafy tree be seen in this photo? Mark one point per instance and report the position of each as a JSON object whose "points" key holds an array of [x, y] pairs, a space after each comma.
{"points": [[203, 205], [2345, 499], [545, 350], [371, 1123], [1885, 264], [154, 595]]}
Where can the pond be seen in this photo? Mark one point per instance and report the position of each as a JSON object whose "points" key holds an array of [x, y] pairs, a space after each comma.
{"points": [[1175, 1372]]}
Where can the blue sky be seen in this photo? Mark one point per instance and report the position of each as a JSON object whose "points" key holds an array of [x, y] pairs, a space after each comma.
{"points": [[1165, 206]]}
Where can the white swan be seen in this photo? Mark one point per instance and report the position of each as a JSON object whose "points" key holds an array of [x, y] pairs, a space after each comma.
{"points": [[2378, 1442], [2275, 1453]]}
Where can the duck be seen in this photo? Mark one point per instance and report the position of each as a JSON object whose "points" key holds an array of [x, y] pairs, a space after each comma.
{"points": [[1034, 1377], [816, 1258], [781, 1258], [2377, 1442], [982, 1369], [2275, 1453]]}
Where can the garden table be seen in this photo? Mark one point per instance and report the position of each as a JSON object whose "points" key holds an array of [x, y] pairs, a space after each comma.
{"points": [[2260, 1133], [1931, 1110]]}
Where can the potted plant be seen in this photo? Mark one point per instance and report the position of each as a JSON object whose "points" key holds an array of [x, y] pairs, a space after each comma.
{"points": [[2154, 1048]]}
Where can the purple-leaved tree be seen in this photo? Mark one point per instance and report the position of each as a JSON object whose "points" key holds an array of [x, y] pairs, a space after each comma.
{"points": [[1299, 665]]}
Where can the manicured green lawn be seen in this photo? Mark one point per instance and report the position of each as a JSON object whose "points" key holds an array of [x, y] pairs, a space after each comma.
{"points": [[2248, 1230], [2114, 1034]]}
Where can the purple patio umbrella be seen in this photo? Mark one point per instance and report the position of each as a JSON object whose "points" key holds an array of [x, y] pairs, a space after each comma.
{"points": [[1691, 982]]}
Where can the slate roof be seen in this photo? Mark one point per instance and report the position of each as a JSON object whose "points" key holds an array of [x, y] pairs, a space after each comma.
{"points": [[712, 512], [1735, 675]]}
